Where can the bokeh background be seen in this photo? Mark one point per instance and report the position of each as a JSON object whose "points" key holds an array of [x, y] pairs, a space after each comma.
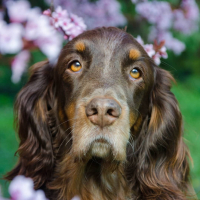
{"points": [[176, 22]]}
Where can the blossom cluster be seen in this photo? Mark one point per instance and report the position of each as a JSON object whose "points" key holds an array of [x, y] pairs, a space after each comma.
{"points": [[22, 188], [155, 51], [164, 19], [28, 29], [70, 24], [186, 17], [95, 13]]}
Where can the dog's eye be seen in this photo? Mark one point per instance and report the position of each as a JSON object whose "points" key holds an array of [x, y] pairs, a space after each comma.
{"points": [[135, 73], [75, 66]]}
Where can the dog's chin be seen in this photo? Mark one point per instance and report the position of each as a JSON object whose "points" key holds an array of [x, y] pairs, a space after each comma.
{"points": [[101, 149]]}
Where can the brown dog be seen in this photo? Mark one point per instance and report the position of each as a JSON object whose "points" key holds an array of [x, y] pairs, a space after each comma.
{"points": [[102, 124]]}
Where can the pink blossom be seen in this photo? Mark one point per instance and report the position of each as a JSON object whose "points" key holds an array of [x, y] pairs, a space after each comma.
{"points": [[47, 12], [58, 16], [186, 18], [39, 195], [162, 17], [140, 40], [21, 188], [69, 24], [156, 58], [18, 66], [18, 10], [50, 46], [95, 14], [163, 52], [170, 42], [43, 35], [191, 8], [76, 198], [32, 30], [78, 28], [173, 44], [78, 21], [34, 13], [137, 1], [37, 27], [60, 13], [66, 24], [149, 49], [157, 12], [156, 51], [10, 37]]}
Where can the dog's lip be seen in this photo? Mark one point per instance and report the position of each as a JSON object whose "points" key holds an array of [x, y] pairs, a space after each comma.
{"points": [[101, 140]]}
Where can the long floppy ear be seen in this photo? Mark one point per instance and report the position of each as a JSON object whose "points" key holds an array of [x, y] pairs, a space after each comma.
{"points": [[161, 169], [35, 152]]}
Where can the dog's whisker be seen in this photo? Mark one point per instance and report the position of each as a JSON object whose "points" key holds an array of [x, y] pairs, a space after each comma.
{"points": [[131, 138], [67, 135], [167, 65], [66, 121], [61, 145]]}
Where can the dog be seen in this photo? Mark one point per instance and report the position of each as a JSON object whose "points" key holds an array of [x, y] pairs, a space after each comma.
{"points": [[102, 124]]}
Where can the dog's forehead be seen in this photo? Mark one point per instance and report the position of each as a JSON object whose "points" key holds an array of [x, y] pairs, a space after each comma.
{"points": [[108, 41]]}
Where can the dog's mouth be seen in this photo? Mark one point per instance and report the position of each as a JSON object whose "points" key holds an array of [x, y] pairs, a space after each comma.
{"points": [[100, 148]]}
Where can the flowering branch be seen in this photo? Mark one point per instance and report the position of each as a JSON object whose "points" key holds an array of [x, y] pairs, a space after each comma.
{"points": [[69, 24], [29, 30], [96, 13], [155, 51], [164, 18]]}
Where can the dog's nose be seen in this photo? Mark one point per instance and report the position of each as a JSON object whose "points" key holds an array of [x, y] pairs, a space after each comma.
{"points": [[103, 112]]}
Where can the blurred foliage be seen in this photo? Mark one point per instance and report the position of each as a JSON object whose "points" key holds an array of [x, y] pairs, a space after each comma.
{"points": [[188, 97], [185, 68], [6, 86]]}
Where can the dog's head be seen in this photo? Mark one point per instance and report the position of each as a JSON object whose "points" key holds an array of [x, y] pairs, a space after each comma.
{"points": [[104, 80], [104, 98]]}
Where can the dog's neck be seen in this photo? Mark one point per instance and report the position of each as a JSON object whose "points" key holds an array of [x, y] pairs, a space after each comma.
{"points": [[95, 179]]}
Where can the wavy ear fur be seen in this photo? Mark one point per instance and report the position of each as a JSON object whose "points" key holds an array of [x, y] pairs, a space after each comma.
{"points": [[36, 159], [161, 166]]}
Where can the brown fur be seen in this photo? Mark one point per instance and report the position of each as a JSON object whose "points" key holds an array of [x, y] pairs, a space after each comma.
{"points": [[80, 46], [134, 54], [141, 155]]}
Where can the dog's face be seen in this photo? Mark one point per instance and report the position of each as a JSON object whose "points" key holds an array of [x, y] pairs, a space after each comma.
{"points": [[104, 86]]}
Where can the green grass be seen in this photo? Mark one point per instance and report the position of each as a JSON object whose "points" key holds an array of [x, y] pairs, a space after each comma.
{"points": [[187, 94], [8, 139], [189, 101]]}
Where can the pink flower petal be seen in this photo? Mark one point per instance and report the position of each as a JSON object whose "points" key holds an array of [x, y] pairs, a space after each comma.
{"points": [[18, 67]]}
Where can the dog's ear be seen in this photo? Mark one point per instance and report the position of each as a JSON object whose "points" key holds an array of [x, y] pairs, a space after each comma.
{"points": [[161, 155], [35, 152]]}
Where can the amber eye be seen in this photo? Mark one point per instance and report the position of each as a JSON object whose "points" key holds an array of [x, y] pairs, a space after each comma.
{"points": [[135, 73], [75, 66]]}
